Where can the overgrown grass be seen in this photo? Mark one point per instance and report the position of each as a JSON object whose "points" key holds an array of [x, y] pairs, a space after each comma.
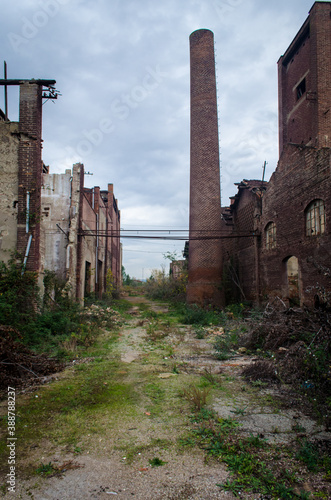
{"points": [[196, 397], [57, 324], [225, 343], [66, 411], [250, 459], [195, 315]]}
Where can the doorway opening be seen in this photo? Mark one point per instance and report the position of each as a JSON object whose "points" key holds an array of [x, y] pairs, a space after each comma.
{"points": [[292, 280]]}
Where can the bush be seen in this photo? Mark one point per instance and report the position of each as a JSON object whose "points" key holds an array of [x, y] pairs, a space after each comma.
{"points": [[19, 297], [162, 287], [46, 325]]}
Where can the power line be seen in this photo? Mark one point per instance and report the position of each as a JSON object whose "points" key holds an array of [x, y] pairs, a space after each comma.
{"points": [[141, 251]]}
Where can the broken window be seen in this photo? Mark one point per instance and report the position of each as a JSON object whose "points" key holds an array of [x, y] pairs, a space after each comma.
{"points": [[315, 218], [270, 233], [301, 88]]}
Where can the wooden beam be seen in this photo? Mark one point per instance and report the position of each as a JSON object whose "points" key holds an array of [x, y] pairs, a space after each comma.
{"points": [[46, 83]]}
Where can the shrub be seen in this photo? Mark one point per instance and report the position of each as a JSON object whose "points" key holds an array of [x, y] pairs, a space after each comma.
{"points": [[196, 397], [195, 315], [161, 286], [225, 343], [19, 297]]}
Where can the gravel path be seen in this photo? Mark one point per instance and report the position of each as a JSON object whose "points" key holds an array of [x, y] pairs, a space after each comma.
{"points": [[105, 472]]}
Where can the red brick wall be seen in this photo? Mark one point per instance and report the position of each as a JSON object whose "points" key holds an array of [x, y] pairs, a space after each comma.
{"points": [[241, 257], [303, 174], [307, 120], [30, 170], [205, 206], [245, 248]]}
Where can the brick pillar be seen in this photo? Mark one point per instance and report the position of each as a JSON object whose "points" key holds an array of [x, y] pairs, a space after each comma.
{"points": [[205, 262], [78, 186], [29, 172]]}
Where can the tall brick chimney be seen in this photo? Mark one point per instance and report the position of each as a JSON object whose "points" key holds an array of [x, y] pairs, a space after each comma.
{"points": [[205, 261]]}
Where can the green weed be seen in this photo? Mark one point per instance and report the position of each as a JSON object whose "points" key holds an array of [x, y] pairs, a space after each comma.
{"points": [[133, 452], [309, 455], [239, 411], [225, 343], [195, 315], [45, 469], [298, 428], [203, 414], [199, 332], [196, 397], [243, 457], [156, 462], [210, 376]]}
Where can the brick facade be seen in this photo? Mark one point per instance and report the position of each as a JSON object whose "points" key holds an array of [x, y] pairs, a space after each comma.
{"points": [[290, 253], [241, 270], [78, 240], [276, 235], [304, 77], [51, 219], [302, 176]]}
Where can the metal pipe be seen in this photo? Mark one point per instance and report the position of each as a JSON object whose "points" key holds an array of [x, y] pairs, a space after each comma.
{"points": [[96, 250], [27, 212], [26, 254]]}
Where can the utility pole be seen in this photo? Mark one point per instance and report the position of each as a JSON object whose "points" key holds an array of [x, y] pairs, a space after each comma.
{"points": [[6, 95]]}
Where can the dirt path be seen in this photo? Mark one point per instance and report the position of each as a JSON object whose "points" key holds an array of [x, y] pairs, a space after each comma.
{"points": [[121, 441]]}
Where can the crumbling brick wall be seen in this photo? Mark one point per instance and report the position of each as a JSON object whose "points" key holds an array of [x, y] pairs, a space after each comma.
{"points": [[297, 267], [9, 142], [303, 175], [241, 248]]}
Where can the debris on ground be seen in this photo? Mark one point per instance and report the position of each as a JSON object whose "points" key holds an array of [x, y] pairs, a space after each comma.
{"points": [[19, 366], [263, 370], [297, 342]]}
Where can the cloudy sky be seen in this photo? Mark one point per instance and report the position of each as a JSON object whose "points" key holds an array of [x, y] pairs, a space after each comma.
{"points": [[122, 67]]}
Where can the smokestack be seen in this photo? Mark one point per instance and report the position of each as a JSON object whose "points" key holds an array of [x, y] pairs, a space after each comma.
{"points": [[205, 261]]}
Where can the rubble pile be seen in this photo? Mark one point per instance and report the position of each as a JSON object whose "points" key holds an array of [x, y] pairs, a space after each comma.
{"points": [[19, 366], [297, 342]]}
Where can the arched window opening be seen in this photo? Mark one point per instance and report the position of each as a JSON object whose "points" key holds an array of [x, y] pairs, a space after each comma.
{"points": [[315, 218], [270, 235]]}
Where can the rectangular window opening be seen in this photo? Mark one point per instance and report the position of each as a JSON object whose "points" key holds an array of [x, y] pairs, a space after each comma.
{"points": [[301, 89]]}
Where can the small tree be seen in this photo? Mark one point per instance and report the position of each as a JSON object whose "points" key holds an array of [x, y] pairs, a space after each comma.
{"points": [[172, 256], [126, 278], [110, 284], [19, 293]]}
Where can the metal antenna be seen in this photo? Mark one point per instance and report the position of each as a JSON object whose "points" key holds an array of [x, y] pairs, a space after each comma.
{"points": [[264, 167], [6, 95]]}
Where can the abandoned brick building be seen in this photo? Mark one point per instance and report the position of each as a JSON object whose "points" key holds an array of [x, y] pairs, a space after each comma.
{"points": [[275, 236], [52, 220]]}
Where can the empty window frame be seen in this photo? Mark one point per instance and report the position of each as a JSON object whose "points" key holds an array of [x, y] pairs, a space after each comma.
{"points": [[270, 234], [315, 218], [301, 89]]}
